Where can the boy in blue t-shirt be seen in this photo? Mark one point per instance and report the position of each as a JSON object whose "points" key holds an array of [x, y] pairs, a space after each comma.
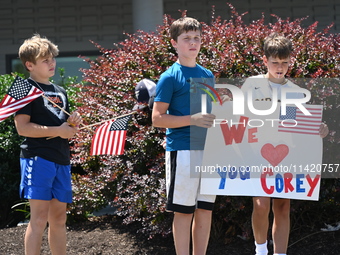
{"points": [[177, 107]]}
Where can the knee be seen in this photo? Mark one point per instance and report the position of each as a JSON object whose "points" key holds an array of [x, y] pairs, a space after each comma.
{"points": [[203, 212], [202, 216], [183, 216], [261, 209], [38, 223], [281, 209], [57, 220]]}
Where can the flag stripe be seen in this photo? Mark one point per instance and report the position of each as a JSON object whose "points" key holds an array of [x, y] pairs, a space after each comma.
{"points": [[289, 123], [109, 137], [104, 138], [97, 142], [308, 121], [301, 128], [300, 132], [114, 145], [309, 117], [122, 136]]}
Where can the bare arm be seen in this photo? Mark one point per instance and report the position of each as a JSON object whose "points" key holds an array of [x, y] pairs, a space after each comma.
{"points": [[26, 128], [161, 119]]}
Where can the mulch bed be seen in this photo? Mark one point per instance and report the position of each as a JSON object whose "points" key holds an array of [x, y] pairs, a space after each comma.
{"points": [[106, 235]]}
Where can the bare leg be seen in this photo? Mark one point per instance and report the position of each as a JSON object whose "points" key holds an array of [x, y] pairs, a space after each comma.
{"points": [[260, 221], [57, 227], [281, 224], [201, 231], [181, 231], [36, 226]]}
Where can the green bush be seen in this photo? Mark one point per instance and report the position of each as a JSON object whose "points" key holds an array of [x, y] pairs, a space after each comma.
{"points": [[9, 167]]}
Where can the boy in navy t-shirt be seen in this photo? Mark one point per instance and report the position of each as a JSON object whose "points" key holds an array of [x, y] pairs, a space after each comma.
{"points": [[45, 163]]}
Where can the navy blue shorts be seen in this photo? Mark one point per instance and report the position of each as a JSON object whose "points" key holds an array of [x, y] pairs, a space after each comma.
{"points": [[44, 180]]}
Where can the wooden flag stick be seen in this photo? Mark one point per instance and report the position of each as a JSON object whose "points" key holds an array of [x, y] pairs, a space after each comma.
{"points": [[56, 105], [60, 108], [100, 122]]}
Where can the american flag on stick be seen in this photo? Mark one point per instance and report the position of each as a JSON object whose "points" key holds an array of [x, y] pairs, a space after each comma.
{"points": [[295, 121], [19, 94], [110, 137]]}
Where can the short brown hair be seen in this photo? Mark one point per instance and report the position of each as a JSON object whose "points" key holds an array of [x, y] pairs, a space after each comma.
{"points": [[36, 47], [276, 45], [184, 24]]}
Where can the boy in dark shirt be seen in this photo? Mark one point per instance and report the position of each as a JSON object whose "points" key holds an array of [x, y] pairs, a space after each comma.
{"points": [[45, 163]]}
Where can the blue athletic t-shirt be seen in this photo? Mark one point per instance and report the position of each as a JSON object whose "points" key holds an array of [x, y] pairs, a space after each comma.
{"points": [[181, 87]]}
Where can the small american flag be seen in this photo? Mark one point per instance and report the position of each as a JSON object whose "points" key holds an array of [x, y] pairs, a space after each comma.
{"points": [[295, 121], [110, 137], [19, 94]]}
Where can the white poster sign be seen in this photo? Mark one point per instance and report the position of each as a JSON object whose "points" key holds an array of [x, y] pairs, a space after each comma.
{"points": [[272, 155]]}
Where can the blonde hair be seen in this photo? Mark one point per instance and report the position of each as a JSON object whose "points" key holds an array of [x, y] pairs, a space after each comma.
{"points": [[184, 24], [37, 47], [276, 45]]}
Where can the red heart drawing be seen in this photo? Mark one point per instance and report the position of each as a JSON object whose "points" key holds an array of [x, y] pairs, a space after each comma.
{"points": [[274, 155]]}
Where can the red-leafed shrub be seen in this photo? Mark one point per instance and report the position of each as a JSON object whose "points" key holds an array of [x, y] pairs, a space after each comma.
{"points": [[134, 182]]}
